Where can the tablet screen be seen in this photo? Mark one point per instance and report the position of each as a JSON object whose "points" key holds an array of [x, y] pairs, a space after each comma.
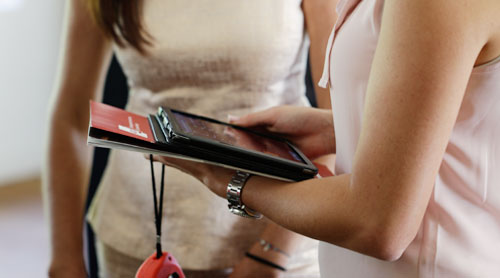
{"points": [[235, 137]]}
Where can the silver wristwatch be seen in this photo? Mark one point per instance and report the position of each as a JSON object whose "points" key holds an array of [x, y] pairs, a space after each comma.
{"points": [[234, 188]]}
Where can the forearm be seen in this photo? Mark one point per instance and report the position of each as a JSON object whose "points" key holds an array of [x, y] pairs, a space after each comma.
{"points": [[65, 183], [300, 205], [328, 209]]}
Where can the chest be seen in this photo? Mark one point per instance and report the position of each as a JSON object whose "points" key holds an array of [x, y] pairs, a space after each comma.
{"points": [[209, 43]]}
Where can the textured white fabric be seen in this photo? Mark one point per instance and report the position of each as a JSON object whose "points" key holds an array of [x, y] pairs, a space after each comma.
{"points": [[210, 57]]}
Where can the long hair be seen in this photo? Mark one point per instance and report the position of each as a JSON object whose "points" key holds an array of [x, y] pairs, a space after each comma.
{"points": [[121, 20]]}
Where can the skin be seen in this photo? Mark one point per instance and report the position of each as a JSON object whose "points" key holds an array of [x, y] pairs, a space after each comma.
{"points": [[86, 54], [319, 17], [68, 161], [377, 209]]}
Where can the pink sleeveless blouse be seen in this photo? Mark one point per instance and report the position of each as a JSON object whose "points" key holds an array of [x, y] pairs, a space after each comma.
{"points": [[460, 233]]}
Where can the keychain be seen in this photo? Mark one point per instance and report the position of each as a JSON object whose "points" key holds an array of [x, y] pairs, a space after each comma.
{"points": [[160, 264]]}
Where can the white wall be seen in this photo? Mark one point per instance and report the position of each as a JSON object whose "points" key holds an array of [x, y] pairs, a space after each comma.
{"points": [[29, 45]]}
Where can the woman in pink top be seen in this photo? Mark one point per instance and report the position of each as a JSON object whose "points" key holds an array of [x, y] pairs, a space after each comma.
{"points": [[415, 89]]}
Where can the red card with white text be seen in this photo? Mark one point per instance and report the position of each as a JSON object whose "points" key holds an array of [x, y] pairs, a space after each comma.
{"points": [[119, 121]]}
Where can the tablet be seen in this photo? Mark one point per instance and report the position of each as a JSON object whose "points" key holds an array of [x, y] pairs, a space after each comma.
{"points": [[233, 145], [186, 136]]}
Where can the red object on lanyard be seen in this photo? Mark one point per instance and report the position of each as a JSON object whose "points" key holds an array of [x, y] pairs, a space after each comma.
{"points": [[164, 267], [160, 264]]}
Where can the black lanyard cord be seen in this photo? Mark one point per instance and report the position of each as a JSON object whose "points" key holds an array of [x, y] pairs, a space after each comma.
{"points": [[158, 210]]}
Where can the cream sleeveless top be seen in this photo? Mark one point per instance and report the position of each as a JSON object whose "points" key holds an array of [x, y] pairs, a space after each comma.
{"points": [[214, 58], [460, 233]]}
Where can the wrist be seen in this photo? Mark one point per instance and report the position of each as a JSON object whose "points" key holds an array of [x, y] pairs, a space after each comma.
{"points": [[269, 247], [272, 256], [64, 267], [234, 193], [218, 183]]}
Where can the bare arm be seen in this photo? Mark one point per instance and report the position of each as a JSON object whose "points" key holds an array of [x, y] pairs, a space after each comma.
{"points": [[320, 17], [85, 56], [377, 209]]}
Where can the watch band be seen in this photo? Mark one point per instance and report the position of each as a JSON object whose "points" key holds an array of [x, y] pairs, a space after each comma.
{"points": [[233, 194]]}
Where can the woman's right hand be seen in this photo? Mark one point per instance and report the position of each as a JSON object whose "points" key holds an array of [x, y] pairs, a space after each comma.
{"points": [[310, 129]]}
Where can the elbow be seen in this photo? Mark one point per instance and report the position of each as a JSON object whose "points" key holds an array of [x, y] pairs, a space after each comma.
{"points": [[388, 249], [386, 243], [377, 242], [67, 118]]}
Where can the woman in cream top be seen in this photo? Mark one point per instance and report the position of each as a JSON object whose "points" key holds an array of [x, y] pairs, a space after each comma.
{"points": [[213, 58], [415, 90]]}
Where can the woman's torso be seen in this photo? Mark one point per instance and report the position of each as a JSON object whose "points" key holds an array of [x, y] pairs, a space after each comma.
{"points": [[460, 233], [212, 58], [215, 57]]}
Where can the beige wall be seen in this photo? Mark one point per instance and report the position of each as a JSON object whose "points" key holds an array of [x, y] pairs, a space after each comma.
{"points": [[29, 44]]}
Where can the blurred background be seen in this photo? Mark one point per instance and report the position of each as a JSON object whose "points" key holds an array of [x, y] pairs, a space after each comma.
{"points": [[29, 46]]}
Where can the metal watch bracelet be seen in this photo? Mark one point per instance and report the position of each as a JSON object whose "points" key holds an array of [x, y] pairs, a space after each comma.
{"points": [[233, 194]]}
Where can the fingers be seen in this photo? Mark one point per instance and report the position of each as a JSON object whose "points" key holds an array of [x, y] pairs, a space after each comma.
{"points": [[262, 118], [180, 164]]}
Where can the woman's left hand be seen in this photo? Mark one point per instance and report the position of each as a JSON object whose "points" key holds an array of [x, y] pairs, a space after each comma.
{"points": [[214, 177]]}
